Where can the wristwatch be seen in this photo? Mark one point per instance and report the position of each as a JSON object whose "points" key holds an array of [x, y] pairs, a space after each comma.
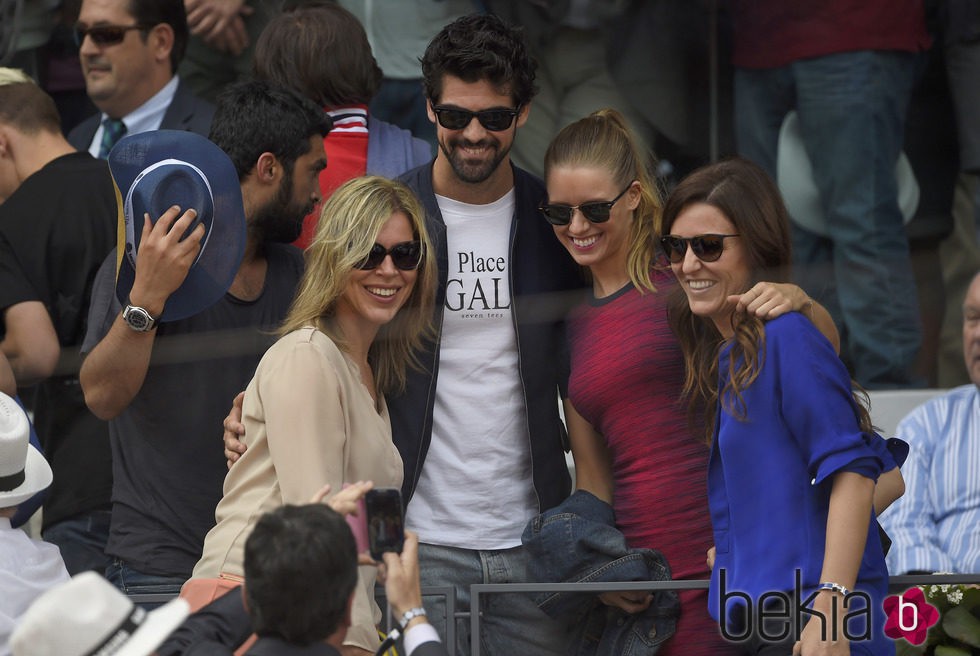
{"points": [[410, 615], [138, 319]]}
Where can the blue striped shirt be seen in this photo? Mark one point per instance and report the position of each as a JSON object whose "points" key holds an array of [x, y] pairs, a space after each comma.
{"points": [[935, 526]]}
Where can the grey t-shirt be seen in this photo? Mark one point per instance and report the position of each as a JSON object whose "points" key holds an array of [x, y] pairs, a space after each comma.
{"points": [[168, 464]]}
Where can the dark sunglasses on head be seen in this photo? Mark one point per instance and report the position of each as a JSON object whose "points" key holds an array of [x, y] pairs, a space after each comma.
{"points": [[406, 256], [597, 212], [707, 248], [105, 35], [495, 120]]}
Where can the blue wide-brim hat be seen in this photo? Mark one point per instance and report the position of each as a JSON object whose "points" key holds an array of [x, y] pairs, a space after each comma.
{"points": [[158, 169]]}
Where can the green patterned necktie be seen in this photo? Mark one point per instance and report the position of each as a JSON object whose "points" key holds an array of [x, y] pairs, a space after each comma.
{"points": [[113, 130]]}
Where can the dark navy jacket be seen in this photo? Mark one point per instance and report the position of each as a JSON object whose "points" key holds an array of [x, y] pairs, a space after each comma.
{"points": [[545, 283], [185, 112]]}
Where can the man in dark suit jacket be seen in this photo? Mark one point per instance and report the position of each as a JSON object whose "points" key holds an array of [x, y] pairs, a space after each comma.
{"points": [[130, 50]]}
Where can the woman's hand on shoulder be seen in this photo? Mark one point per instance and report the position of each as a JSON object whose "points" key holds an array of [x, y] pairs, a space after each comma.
{"points": [[768, 300]]}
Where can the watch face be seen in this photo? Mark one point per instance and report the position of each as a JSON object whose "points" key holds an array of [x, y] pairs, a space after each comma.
{"points": [[138, 319]]}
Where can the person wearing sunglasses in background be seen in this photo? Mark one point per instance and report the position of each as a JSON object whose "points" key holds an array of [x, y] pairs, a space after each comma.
{"points": [[129, 51], [794, 458], [315, 410], [631, 439]]}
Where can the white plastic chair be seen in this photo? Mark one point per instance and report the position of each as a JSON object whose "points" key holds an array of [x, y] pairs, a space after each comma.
{"points": [[889, 407]]}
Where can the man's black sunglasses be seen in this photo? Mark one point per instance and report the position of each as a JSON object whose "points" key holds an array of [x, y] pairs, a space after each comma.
{"points": [[495, 120], [707, 248], [597, 212], [405, 255], [105, 35]]}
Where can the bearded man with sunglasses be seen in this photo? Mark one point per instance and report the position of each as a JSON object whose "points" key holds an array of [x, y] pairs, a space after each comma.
{"points": [[130, 50], [478, 427]]}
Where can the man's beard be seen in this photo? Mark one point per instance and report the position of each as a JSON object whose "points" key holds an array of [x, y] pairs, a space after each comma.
{"points": [[281, 220], [469, 172]]}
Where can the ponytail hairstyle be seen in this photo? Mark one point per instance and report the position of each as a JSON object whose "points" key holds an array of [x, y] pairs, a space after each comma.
{"points": [[603, 140]]}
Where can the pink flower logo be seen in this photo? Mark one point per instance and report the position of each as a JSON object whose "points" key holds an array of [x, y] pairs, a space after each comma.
{"points": [[909, 616]]}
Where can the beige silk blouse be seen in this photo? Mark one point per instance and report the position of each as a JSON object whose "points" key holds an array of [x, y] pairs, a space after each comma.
{"points": [[309, 420]]}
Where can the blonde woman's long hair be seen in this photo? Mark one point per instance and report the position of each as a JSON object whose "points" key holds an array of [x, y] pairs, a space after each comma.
{"points": [[349, 223], [603, 140]]}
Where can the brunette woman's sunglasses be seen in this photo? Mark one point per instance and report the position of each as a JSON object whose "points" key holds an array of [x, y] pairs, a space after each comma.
{"points": [[597, 212], [495, 120], [707, 248], [406, 256], [105, 35]]}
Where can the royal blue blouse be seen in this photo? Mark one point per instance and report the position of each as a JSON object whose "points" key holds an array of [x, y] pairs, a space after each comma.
{"points": [[770, 475]]}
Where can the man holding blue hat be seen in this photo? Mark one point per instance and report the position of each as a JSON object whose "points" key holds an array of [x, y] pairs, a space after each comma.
{"points": [[184, 308]]}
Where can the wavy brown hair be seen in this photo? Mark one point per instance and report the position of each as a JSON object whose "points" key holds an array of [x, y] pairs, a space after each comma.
{"points": [[747, 196], [320, 51], [350, 221], [603, 140]]}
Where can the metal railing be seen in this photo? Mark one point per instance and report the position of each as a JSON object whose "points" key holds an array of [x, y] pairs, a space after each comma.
{"points": [[479, 591]]}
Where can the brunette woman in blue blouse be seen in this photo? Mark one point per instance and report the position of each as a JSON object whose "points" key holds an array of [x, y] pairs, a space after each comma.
{"points": [[794, 458]]}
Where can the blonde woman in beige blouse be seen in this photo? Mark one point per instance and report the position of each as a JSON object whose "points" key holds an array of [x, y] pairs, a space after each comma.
{"points": [[315, 411]]}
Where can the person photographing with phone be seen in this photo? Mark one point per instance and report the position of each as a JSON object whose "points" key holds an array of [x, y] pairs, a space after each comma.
{"points": [[300, 565], [315, 409]]}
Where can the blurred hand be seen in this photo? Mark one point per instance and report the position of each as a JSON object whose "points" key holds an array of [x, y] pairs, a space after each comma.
{"points": [[234, 429], [402, 584], [768, 300], [163, 258], [811, 642], [345, 501], [630, 602], [232, 40], [207, 18]]}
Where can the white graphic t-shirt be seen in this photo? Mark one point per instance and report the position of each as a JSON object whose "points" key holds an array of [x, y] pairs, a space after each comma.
{"points": [[475, 490]]}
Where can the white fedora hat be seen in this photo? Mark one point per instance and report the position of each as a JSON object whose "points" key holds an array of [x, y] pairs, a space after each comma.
{"points": [[88, 616], [794, 173], [23, 470]]}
